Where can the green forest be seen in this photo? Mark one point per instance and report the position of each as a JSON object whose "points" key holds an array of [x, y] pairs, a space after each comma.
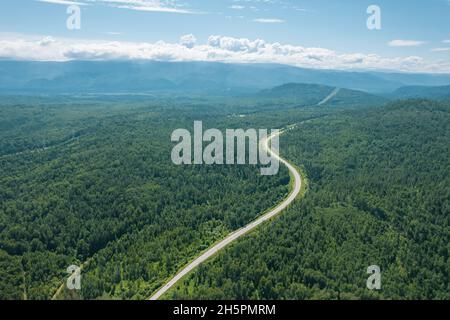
{"points": [[379, 191], [89, 181], [112, 197]]}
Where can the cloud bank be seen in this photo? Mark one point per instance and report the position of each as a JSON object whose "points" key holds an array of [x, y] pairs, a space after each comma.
{"points": [[217, 48]]}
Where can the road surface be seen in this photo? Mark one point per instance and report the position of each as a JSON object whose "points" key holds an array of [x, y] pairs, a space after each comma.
{"points": [[243, 231], [329, 97]]}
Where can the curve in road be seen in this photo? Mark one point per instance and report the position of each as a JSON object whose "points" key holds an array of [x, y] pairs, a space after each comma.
{"points": [[330, 96], [245, 230]]}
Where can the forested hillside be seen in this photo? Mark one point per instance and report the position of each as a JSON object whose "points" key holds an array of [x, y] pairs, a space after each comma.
{"points": [[39, 77], [424, 92], [379, 190], [312, 94], [90, 181], [113, 197]]}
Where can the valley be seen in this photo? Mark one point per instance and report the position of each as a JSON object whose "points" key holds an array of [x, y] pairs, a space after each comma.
{"points": [[377, 187]]}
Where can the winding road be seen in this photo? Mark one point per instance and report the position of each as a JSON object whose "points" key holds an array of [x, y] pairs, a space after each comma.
{"points": [[240, 232], [329, 97], [297, 185], [245, 230]]}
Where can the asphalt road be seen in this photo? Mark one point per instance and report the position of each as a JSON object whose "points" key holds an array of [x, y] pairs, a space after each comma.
{"points": [[243, 231]]}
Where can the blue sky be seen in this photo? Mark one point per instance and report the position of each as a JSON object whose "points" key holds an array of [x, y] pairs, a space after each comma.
{"points": [[410, 28]]}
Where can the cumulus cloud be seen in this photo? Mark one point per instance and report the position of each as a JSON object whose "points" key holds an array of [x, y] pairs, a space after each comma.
{"points": [[46, 41], [217, 48], [188, 41], [236, 44]]}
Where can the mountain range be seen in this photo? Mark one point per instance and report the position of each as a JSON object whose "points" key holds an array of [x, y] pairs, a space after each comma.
{"points": [[147, 76]]}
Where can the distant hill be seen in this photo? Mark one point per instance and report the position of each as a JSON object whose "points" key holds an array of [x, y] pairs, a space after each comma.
{"points": [[145, 76], [313, 94], [347, 97], [298, 93], [426, 92]]}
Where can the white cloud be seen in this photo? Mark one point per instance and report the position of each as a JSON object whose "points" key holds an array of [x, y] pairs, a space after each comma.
{"points": [[217, 48], [446, 41], [237, 7], [46, 41], [113, 33], [405, 43], [301, 9], [168, 6], [271, 20], [235, 44], [64, 2], [440, 49], [188, 41]]}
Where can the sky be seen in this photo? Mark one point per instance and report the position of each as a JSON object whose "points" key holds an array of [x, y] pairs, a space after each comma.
{"points": [[333, 34]]}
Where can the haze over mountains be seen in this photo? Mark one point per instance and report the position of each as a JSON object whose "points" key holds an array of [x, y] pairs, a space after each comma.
{"points": [[314, 94], [143, 76], [411, 92]]}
